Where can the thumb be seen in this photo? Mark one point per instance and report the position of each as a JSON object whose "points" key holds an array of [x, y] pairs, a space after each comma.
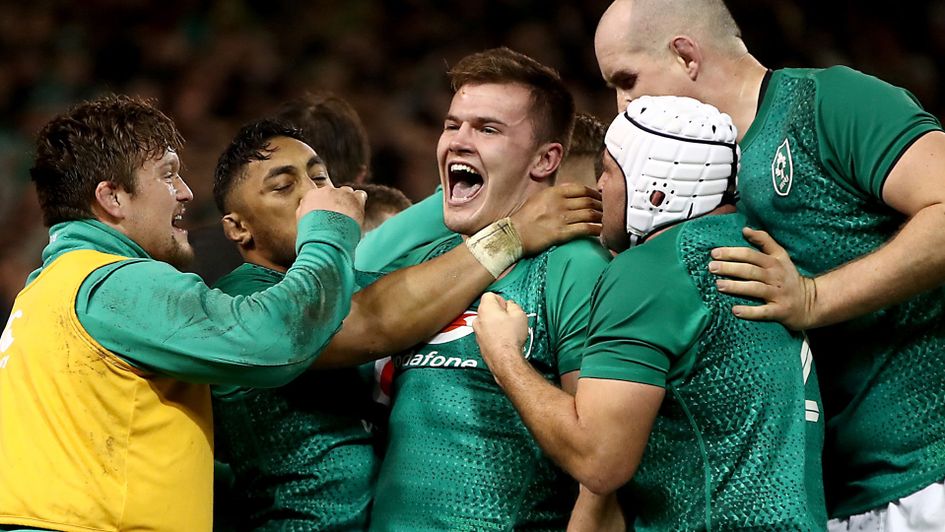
{"points": [[491, 302], [513, 308], [763, 241]]}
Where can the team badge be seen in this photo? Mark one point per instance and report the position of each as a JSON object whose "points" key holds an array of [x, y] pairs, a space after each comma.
{"points": [[782, 169]]}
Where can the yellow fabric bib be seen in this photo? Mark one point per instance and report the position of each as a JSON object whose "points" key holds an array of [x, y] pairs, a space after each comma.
{"points": [[88, 442]]}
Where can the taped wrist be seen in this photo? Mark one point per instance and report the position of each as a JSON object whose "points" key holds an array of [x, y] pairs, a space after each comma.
{"points": [[496, 246]]}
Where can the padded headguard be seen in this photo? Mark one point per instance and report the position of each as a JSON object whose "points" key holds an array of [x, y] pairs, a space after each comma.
{"points": [[679, 157]]}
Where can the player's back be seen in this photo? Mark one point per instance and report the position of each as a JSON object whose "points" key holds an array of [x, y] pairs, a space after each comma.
{"points": [[738, 437]]}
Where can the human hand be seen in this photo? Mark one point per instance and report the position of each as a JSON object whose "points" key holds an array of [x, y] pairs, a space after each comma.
{"points": [[556, 215], [769, 275], [501, 329], [342, 200]]}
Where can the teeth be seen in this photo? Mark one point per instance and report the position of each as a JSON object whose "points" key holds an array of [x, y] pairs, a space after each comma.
{"points": [[460, 167]]}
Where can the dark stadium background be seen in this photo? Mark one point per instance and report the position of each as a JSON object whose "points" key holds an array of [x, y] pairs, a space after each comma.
{"points": [[213, 65]]}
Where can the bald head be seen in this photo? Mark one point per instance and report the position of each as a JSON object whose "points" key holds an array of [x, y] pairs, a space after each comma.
{"points": [[649, 25], [667, 47]]}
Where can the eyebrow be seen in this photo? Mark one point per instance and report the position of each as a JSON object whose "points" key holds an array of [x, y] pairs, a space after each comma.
{"points": [[622, 76], [315, 160], [279, 170], [478, 120], [289, 169]]}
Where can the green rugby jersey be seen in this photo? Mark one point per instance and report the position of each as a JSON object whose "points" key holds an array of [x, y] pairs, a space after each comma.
{"points": [[813, 165], [737, 441], [388, 246], [458, 455], [159, 319], [303, 455]]}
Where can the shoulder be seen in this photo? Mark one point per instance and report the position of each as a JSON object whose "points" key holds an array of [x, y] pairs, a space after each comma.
{"points": [[841, 88], [585, 252], [426, 252], [661, 248], [248, 279]]}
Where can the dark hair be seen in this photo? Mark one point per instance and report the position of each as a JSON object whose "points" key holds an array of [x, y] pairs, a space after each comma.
{"points": [[106, 139], [250, 144], [381, 200], [552, 107], [588, 135], [333, 129]]}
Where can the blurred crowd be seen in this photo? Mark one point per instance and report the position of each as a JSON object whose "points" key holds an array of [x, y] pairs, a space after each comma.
{"points": [[213, 65]]}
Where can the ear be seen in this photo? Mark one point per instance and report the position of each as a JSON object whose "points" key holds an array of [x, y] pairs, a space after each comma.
{"points": [[109, 199], [688, 54], [362, 176], [549, 159], [235, 229]]}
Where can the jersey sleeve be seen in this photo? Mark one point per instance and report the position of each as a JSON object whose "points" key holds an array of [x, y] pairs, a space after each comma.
{"points": [[865, 126], [161, 320], [415, 227], [572, 272], [646, 314]]}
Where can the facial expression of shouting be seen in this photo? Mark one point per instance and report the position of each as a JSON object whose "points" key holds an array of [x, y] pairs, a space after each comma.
{"points": [[153, 214], [262, 218], [488, 158]]}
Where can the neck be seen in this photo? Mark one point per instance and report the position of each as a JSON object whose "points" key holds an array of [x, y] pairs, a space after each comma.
{"points": [[721, 209], [738, 91], [254, 257]]}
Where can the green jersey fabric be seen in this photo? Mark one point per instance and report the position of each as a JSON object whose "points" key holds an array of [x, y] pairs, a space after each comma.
{"points": [[458, 455], [813, 166], [303, 455], [159, 319], [388, 247], [738, 438]]}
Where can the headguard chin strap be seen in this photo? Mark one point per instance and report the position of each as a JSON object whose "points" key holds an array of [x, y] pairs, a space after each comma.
{"points": [[679, 157]]}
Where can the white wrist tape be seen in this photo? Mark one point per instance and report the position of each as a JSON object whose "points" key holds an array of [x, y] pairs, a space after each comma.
{"points": [[496, 246]]}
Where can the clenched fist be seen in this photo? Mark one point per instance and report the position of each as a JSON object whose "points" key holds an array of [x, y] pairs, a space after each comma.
{"points": [[342, 200]]}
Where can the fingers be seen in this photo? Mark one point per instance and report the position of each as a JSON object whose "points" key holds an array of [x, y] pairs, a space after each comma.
{"points": [[582, 216], [583, 203], [513, 309], [574, 230], [743, 254], [575, 190], [760, 313], [763, 241], [739, 270], [755, 289], [491, 302], [361, 195]]}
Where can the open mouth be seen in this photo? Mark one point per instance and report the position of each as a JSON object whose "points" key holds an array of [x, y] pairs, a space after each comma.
{"points": [[178, 222], [465, 182]]}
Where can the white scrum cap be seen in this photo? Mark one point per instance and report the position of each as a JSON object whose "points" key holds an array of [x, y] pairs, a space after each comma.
{"points": [[679, 158]]}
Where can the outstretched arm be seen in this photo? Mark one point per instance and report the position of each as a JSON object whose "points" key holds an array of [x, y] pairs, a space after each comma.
{"points": [[911, 262], [598, 435], [160, 320], [410, 305]]}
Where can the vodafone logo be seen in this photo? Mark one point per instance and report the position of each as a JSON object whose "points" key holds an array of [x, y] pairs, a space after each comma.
{"points": [[460, 327]]}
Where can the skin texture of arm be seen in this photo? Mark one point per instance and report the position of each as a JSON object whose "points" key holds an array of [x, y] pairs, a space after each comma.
{"points": [[409, 305], [598, 435], [911, 262], [592, 512], [596, 513]]}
